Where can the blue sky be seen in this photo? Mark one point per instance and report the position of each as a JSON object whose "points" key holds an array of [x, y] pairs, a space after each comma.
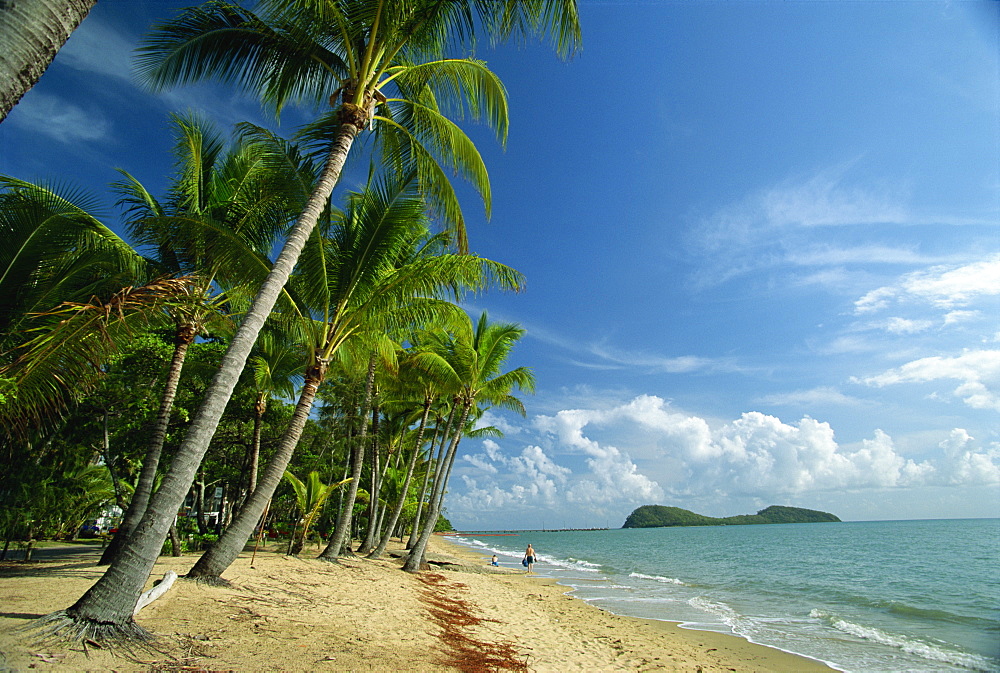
{"points": [[762, 244]]}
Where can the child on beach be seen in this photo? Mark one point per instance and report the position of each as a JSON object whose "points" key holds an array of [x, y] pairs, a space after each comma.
{"points": [[494, 561]]}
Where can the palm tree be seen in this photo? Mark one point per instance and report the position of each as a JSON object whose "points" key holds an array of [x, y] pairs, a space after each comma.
{"points": [[224, 211], [471, 359], [57, 258], [352, 49], [31, 32], [413, 383], [367, 278], [310, 496], [275, 367]]}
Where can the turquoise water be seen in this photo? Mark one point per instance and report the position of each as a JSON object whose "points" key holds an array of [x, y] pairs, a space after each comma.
{"points": [[873, 596]]}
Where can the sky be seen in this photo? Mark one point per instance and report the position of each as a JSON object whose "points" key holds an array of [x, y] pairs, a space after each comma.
{"points": [[761, 242]]}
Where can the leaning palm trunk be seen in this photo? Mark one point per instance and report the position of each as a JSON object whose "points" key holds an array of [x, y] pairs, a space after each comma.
{"points": [[422, 494], [435, 467], [32, 32], [398, 509], [150, 463], [343, 527], [416, 558], [373, 502], [220, 556], [105, 611], [252, 461]]}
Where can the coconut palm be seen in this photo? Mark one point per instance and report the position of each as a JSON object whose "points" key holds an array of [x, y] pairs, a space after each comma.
{"points": [[472, 359], [225, 208], [59, 257], [31, 33], [414, 385], [354, 50], [275, 367], [371, 275]]}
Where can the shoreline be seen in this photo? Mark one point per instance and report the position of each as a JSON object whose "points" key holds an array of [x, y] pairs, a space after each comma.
{"points": [[298, 614], [747, 651]]}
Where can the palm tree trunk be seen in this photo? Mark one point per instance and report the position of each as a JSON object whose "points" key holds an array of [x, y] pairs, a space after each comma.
{"points": [[32, 32], [376, 484], [175, 541], [428, 473], [199, 505], [151, 461], [260, 406], [106, 608], [220, 556], [416, 558], [343, 527], [110, 464], [398, 509]]}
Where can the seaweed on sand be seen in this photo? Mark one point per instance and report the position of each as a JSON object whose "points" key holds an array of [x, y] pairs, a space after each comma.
{"points": [[454, 615]]}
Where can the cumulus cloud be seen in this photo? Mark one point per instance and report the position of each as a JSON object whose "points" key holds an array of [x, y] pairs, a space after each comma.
{"points": [[537, 476], [977, 371], [661, 454]]}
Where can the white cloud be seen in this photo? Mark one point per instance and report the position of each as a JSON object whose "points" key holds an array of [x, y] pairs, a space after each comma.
{"points": [[827, 255], [98, 48], [56, 118], [898, 325], [825, 200], [755, 456], [537, 477], [977, 371], [943, 287], [673, 365], [967, 466], [824, 395], [956, 317]]}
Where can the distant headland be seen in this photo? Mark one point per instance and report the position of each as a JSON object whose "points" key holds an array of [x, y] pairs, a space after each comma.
{"points": [[658, 516]]}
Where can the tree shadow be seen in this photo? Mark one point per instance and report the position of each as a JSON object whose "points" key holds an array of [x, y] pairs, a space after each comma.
{"points": [[50, 569]]}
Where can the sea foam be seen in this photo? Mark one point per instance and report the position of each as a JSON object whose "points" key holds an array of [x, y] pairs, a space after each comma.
{"points": [[658, 578], [920, 648]]}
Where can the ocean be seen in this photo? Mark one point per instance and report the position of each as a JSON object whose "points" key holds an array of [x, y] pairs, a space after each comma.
{"points": [[872, 596]]}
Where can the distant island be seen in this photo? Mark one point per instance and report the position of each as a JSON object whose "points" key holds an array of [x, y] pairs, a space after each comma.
{"points": [[658, 516]]}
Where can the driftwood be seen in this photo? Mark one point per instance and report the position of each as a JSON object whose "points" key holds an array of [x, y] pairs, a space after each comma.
{"points": [[158, 590]]}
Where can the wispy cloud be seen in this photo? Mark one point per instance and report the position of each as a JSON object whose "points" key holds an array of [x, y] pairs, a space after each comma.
{"points": [[825, 200], [55, 117], [814, 397], [98, 48], [683, 364], [942, 286], [602, 355], [977, 371], [831, 255]]}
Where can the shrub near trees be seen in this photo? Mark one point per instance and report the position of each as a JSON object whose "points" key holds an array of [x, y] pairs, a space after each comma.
{"points": [[387, 67]]}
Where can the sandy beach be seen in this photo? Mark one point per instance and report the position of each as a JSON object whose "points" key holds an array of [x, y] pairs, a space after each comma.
{"points": [[298, 614]]}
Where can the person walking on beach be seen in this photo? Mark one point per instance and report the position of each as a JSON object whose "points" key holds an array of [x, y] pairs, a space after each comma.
{"points": [[529, 557]]}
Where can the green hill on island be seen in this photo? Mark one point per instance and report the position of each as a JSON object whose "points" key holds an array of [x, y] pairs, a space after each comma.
{"points": [[658, 516]]}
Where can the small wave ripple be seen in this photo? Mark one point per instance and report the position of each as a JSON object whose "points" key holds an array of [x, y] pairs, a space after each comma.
{"points": [[658, 578], [920, 648]]}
